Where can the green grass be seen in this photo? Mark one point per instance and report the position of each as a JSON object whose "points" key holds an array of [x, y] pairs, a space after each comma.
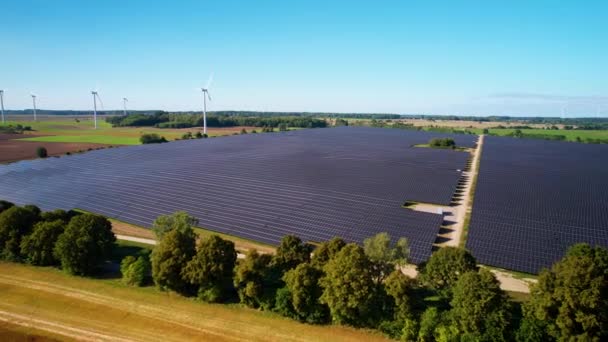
{"points": [[569, 134]]}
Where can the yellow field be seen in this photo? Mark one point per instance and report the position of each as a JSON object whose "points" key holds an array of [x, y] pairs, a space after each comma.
{"points": [[49, 301]]}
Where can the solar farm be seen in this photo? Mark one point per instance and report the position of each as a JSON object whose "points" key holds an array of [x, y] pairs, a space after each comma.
{"points": [[535, 198], [350, 182]]}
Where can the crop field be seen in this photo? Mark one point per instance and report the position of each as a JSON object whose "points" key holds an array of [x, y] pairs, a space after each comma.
{"points": [[536, 198], [80, 130], [318, 183], [54, 305]]}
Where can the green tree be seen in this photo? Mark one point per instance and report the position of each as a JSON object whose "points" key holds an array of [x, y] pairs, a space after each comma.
{"points": [[305, 291], [212, 268], [383, 256], [571, 298], [135, 270], [400, 288], [15, 223], [56, 215], [199, 135], [41, 152], [5, 205], [37, 247], [326, 251], [480, 309], [86, 242], [169, 257], [430, 320], [250, 277], [348, 287], [179, 220], [445, 266], [290, 253]]}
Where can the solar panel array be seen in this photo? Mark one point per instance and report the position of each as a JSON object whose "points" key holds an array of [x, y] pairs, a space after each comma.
{"points": [[535, 198], [317, 184]]}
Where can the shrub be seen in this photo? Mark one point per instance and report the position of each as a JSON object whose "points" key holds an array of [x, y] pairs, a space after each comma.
{"points": [[5, 205], [135, 270], [152, 138], [87, 241], [243, 131], [198, 135], [187, 136], [41, 152], [445, 266], [37, 248], [179, 220], [442, 143]]}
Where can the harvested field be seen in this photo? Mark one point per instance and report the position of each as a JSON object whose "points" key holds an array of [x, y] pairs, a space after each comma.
{"points": [[14, 150]]}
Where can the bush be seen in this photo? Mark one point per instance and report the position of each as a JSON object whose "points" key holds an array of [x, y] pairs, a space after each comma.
{"points": [[179, 220], [442, 143], [198, 135], [243, 131], [135, 270], [5, 205], [187, 136], [445, 266], [152, 138], [37, 248], [87, 242], [41, 152]]}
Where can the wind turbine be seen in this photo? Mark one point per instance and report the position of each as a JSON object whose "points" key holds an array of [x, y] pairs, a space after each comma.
{"points": [[2, 103], [95, 97], [124, 105], [34, 101], [205, 91]]}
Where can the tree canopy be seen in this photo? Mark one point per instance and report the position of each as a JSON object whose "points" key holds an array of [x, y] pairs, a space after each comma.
{"points": [[86, 242], [250, 277], [179, 220], [173, 252], [212, 268], [570, 301], [348, 286], [38, 247], [15, 223], [305, 291], [445, 266]]}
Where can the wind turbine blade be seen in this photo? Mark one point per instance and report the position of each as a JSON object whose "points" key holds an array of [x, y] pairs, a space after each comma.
{"points": [[100, 102], [208, 96], [209, 81]]}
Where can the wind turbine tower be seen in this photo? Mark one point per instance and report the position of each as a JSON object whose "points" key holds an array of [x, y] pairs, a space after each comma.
{"points": [[2, 103], [95, 98], [34, 101], [206, 96], [124, 105]]}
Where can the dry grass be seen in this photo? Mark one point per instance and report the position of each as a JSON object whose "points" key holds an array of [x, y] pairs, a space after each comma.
{"points": [[242, 245], [90, 309]]}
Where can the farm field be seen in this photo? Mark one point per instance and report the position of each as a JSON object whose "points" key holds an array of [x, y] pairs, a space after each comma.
{"points": [[571, 135], [68, 130], [58, 305]]}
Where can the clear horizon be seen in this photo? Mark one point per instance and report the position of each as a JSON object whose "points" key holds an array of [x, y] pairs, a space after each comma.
{"points": [[433, 58]]}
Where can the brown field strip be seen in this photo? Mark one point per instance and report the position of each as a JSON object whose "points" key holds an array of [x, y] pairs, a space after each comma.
{"points": [[90, 309]]}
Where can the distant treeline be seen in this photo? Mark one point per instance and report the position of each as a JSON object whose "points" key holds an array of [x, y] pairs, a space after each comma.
{"points": [[180, 120]]}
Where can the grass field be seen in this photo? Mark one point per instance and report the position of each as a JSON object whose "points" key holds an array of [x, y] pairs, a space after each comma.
{"points": [[569, 134], [48, 302], [70, 130]]}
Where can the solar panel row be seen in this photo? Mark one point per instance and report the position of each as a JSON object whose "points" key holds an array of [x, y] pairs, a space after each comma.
{"points": [[317, 184], [535, 198]]}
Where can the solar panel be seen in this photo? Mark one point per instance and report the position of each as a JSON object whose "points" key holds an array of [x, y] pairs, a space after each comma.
{"points": [[318, 183], [535, 198]]}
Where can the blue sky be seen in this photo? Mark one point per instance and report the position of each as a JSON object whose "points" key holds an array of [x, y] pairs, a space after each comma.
{"points": [[434, 57]]}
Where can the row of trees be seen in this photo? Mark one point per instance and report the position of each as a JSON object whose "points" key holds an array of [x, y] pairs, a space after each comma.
{"points": [[174, 120], [78, 243]]}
